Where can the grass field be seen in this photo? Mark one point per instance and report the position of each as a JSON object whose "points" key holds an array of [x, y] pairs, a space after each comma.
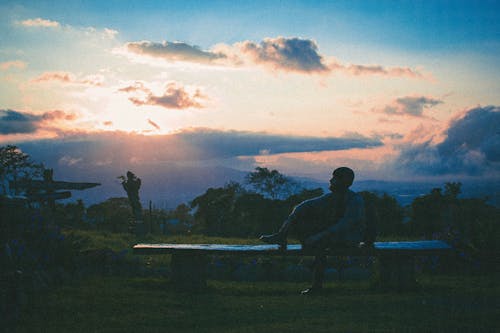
{"points": [[118, 304], [112, 302]]}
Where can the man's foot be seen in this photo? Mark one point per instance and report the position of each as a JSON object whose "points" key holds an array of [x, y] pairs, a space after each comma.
{"points": [[276, 238], [313, 291]]}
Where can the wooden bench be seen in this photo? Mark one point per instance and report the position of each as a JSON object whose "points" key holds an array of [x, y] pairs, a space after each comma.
{"points": [[397, 259]]}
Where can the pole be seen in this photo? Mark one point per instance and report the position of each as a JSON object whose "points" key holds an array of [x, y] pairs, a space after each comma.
{"points": [[150, 217]]}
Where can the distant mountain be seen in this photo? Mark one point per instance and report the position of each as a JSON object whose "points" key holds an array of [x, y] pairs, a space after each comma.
{"points": [[406, 191], [166, 187]]}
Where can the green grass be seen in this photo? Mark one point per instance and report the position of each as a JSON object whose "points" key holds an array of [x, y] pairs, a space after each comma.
{"points": [[444, 303], [115, 304]]}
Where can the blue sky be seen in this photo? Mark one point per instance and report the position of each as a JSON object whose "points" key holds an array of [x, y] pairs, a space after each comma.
{"points": [[397, 76], [405, 24]]}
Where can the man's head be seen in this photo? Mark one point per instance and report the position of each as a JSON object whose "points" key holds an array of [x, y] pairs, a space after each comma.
{"points": [[341, 179]]}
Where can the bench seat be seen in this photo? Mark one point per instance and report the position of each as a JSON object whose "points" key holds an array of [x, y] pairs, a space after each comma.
{"points": [[396, 259], [412, 248]]}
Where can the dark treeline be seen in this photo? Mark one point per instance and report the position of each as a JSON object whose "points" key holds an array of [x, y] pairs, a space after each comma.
{"points": [[261, 203], [264, 200], [38, 247], [257, 206]]}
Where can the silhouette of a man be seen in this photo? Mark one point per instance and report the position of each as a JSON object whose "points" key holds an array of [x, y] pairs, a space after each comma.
{"points": [[336, 219]]}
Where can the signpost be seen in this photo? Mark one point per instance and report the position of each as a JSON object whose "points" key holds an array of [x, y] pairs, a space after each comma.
{"points": [[48, 190]]}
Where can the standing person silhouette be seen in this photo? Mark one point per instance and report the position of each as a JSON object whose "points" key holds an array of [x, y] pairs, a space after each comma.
{"points": [[335, 219]]}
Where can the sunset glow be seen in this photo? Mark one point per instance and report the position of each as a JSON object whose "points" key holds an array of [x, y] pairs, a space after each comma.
{"points": [[394, 92]]}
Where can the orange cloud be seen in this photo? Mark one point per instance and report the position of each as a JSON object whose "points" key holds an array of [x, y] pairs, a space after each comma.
{"points": [[55, 76], [175, 96], [39, 22], [69, 78], [136, 86], [360, 70], [18, 122], [12, 64], [58, 115], [410, 106]]}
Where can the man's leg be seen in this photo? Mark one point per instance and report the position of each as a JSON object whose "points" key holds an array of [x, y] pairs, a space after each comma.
{"points": [[278, 237], [320, 261], [318, 270]]}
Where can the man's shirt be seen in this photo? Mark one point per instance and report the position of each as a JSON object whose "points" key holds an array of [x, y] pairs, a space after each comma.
{"points": [[343, 216]]}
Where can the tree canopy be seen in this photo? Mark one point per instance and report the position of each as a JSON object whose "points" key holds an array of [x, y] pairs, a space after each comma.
{"points": [[271, 183], [15, 165]]}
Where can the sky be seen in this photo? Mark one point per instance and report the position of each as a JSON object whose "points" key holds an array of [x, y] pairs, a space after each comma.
{"points": [[396, 90]]}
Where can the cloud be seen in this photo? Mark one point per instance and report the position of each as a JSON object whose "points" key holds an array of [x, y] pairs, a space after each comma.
{"points": [[471, 147], [110, 33], [39, 22], [155, 125], [64, 77], [13, 122], [16, 122], [120, 148], [57, 115], [410, 106], [173, 51], [77, 33], [12, 64], [287, 54], [69, 161], [136, 86], [174, 96], [69, 78], [363, 70], [241, 143]]}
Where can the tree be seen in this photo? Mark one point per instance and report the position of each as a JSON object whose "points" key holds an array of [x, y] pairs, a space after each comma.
{"points": [[234, 211], [467, 223], [71, 214], [182, 213], [384, 214], [427, 213], [304, 194], [271, 183], [113, 214], [15, 166], [214, 209], [452, 190]]}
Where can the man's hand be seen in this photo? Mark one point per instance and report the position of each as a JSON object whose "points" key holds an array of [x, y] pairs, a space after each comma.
{"points": [[315, 239]]}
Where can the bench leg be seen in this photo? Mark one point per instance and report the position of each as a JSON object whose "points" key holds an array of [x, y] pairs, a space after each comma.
{"points": [[189, 271], [397, 272]]}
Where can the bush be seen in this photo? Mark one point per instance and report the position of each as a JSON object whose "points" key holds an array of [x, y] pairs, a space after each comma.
{"points": [[34, 254]]}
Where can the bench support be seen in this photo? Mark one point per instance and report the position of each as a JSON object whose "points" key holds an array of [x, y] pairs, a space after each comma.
{"points": [[397, 272], [189, 271]]}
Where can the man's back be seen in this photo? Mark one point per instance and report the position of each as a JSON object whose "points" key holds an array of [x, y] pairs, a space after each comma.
{"points": [[326, 211]]}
